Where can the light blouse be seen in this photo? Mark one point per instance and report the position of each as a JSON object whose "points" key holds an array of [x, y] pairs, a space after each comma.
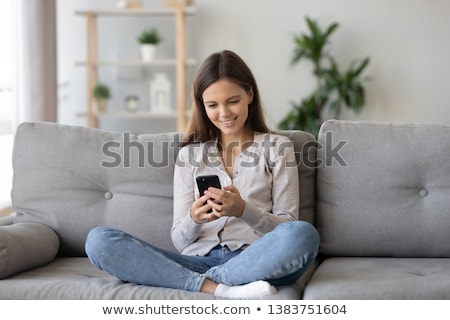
{"points": [[267, 179]]}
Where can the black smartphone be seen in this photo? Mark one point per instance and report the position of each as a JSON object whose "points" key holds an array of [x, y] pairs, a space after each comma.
{"points": [[204, 182]]}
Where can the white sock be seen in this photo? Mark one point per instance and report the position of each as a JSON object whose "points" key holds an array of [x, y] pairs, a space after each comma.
{"points": [[246, 291]]}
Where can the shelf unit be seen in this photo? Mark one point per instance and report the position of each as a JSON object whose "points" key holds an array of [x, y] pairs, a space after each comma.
{"points": [[180, 62]]}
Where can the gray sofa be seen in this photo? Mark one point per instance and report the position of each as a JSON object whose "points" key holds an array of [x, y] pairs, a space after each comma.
{"points": [[377, 192]]}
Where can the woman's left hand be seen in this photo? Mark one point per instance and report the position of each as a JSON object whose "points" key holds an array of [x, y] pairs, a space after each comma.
{"points": [[227, 202]]}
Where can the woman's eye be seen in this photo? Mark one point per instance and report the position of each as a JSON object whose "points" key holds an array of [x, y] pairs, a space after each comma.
{"points": [[234, 101], [211, 106]]}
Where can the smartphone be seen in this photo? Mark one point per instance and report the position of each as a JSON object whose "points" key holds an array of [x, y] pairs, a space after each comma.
{"points": [[204, 182]]}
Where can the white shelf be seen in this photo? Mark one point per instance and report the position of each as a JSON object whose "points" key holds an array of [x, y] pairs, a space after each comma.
{"points": [[137, 114], [135, 12], [137, 63]]}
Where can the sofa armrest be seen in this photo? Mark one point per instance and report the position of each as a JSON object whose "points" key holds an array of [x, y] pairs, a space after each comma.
{"points": [[24, 246], [6, 220]]}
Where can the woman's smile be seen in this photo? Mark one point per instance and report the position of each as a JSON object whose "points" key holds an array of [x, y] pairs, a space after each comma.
{"points": [[228, 123]]}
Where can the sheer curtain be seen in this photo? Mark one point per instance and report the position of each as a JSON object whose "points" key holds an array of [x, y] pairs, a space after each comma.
{"points": [[28, 75], [8, 97], [8, 65], [37, 61]]}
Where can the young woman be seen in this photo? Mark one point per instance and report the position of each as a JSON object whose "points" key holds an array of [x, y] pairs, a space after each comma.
{"points": [[240, 241]]}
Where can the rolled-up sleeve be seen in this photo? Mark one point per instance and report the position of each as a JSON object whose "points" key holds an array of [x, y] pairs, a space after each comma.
{"points": [[282, 175]]}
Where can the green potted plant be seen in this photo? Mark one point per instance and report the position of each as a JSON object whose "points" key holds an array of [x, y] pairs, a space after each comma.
{"points": [[334, 89], [149, 39], [101, 94]]}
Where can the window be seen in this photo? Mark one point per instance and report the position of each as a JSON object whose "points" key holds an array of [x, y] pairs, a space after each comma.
{"points": [[8, 66]]}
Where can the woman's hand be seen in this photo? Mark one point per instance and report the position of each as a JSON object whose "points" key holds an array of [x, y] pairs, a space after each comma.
{"points": [[199, 210], [223, 202], [227, 202]]}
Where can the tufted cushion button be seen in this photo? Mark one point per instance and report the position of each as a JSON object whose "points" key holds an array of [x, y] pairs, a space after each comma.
{"points": [[108, 195], [423, 192]]}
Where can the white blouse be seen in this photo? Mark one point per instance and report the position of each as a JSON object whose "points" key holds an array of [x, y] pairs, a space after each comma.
{"points": [[267, 178]]}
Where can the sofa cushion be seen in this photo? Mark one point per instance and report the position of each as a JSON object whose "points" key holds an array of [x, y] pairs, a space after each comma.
{"points": [[74, 178], [24, 246], [383, 189], [75, 278], [380, 279], [305, 147]]}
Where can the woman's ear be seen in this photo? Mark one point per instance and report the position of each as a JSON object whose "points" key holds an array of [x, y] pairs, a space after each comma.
{"points": [[250, 94]]}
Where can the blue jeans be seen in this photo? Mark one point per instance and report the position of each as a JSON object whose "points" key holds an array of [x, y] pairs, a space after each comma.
{"points": [[279, 257]]}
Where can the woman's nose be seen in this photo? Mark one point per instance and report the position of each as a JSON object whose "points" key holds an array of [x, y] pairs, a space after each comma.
{"points": [[223, 111]]}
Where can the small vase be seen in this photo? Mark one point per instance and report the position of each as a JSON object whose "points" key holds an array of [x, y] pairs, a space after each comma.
{"points": [[160, 93], [148, 52], [100, 105]]}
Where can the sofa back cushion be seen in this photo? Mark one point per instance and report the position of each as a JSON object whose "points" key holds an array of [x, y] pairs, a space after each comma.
{"points": [[74, 178], [383, 189]]}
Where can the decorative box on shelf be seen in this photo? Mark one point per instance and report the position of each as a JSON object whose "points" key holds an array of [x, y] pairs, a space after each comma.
{"points": [[129, 4], [178, 3]]}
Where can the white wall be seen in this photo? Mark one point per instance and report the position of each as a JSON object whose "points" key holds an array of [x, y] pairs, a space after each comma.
{"points": [[407, 41]]}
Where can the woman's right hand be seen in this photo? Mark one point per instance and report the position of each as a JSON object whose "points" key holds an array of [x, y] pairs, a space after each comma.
{"points": [[199, 210]]}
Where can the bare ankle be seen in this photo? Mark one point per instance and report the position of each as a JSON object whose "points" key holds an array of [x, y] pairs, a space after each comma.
{"points": [[208, 286]]}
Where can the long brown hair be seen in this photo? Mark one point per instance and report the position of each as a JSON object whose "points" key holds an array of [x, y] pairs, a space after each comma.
{"points": [[221, 65]]}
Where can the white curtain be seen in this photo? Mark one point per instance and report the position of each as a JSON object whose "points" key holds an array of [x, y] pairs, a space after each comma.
{"points": [[37, 61]]}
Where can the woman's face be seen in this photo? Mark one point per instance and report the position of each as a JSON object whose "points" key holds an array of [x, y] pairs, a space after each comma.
{"points": [[226, 105]]}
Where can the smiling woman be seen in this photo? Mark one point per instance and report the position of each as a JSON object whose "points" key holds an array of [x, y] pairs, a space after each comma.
{"points": [[229, 235]]}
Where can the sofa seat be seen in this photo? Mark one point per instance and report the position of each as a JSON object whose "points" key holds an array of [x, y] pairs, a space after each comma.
{"points": [[75, 278], [344, 278]]}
